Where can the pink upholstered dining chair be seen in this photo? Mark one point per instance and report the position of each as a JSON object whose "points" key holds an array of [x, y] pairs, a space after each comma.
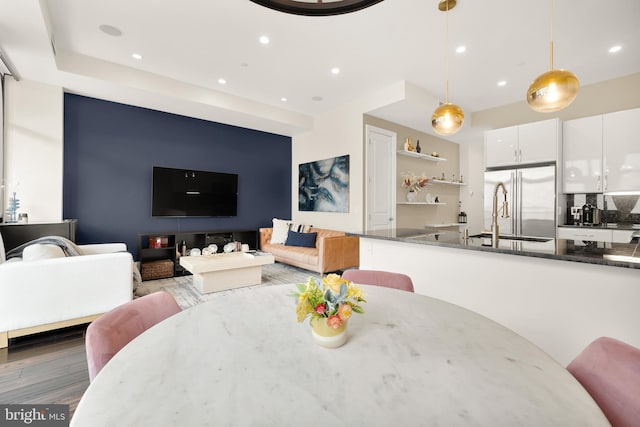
{"points": [[113, 330], [610, 371], [379, 278]]}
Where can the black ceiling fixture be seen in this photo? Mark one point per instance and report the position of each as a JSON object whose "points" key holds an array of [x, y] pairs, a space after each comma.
{"points": [[317, 8]]}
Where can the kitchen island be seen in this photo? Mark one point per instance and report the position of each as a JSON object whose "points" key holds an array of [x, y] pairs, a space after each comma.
{"points": [[557, 294]]}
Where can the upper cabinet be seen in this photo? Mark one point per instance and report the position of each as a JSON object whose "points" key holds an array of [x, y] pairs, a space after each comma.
{"points": [[621, 148], [529, 143], [501, 146], [582, 155], [601, 154]]}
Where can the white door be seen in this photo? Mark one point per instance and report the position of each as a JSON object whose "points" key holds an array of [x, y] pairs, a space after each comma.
{"points": [[380, 179]]}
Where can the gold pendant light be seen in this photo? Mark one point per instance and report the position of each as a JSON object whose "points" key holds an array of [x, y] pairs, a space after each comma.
{"points": [[555, 89], [448, 118]]}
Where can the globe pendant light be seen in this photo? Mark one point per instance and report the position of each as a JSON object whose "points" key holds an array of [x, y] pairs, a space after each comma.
{"points": [[448, 118], [555, 89], [317, 7]]}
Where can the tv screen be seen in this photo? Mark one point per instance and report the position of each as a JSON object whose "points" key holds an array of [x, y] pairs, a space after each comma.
{"points": [[183, 193]]}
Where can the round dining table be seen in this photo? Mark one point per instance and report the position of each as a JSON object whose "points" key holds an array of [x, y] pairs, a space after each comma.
{"points": [[242, 359]]}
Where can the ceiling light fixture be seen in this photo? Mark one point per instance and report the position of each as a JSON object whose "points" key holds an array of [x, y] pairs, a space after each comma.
{"points": [[335, 70], [448, 118], [555, 89], [318, 7], [222, 81], [615, 49], [502, 83], [136, 56], [461, 49], [264, 39]]}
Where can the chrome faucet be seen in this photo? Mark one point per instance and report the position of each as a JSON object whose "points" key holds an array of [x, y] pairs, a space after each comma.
{"points": [[495, 232]]}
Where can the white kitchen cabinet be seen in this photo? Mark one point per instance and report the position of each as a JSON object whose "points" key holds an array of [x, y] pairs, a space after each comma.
{"points": [[538, 142], [621, 142], [582, 155], [589, 234], [529, 143], [622, 236], [501, 147]]}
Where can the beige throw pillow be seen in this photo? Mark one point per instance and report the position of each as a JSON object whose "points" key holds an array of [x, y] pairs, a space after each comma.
{"points": [[280, 231]]}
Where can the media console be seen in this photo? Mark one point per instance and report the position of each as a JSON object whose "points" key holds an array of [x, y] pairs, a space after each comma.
{"points": [[163, 246]]}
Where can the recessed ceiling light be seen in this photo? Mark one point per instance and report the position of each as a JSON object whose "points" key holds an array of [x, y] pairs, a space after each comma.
{"points": [[136, 56], [335, 70], [264, 39], [110, 30], [461, 49], [283, 99], [502, 83], [222, 81], [317, 98], [616, 48]]}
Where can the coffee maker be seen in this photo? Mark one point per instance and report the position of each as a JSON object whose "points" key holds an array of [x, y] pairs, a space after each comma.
{"points": [[590, 215]]}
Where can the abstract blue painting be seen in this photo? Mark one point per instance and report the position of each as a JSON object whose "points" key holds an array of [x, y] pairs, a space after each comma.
{"points": [[323, 185]]}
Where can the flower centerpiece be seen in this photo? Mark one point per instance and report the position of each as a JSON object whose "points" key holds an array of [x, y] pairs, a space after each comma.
{"points": [[329, 307]]}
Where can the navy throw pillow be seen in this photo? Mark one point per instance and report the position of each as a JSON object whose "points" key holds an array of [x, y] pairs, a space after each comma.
{"points": [[307, 240]]}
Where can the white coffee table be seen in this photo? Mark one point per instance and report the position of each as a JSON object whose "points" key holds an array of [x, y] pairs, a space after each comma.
{"points": [[213, 273]]}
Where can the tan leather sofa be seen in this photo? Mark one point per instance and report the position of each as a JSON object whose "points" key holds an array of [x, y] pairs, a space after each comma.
{"points": [[334, 251]]}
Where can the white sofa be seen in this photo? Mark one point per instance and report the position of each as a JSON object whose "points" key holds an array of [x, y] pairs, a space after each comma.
{"points": [[45, 294]]}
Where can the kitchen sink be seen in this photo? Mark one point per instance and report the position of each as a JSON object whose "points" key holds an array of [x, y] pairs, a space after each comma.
{"points": [[520, 238]]}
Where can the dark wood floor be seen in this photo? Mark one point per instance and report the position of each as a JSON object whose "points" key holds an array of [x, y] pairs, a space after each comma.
{"points": [[48, 368]]}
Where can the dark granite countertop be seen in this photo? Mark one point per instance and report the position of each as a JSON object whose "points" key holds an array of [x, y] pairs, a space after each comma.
{"points": [[616, 254], [610, 226]]}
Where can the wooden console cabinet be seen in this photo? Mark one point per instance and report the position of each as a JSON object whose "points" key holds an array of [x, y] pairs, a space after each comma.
{"points": [[166, 246], [16, 233]]}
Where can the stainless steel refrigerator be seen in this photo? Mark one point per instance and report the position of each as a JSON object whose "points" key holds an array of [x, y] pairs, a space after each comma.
{"points": [[531, 193]]}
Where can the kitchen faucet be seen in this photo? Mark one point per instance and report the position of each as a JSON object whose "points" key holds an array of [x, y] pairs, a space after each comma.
{"points": [[494, 214]]}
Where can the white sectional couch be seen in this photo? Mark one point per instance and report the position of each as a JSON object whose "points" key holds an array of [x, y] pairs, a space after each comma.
{"points": [[44, 293]]}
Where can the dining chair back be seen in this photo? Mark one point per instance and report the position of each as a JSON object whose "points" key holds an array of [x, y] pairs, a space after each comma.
{"points": [[610, 371], [379, 278], [113, 330]]}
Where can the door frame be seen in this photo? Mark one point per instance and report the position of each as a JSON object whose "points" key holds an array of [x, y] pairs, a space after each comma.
{"points": [[392, 156]]}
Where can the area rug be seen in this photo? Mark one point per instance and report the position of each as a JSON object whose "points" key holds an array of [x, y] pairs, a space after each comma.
{"points": [[187, 296]]}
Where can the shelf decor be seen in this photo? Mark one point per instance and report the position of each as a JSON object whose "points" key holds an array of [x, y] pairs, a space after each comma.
{"points": [[329, 307]]}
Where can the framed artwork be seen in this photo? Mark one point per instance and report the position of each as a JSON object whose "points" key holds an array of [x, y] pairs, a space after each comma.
{"points": [[323, 185]]}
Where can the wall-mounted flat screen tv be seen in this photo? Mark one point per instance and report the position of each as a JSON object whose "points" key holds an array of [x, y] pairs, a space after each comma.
{"points": [[185, 193]]}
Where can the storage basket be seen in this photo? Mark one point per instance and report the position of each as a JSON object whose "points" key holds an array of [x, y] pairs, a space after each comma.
{"points": [[157, 269]]}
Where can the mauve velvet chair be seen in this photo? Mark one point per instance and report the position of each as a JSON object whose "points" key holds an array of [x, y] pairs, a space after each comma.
{"points": [[113, 330], [610, 371], [379, 278]]}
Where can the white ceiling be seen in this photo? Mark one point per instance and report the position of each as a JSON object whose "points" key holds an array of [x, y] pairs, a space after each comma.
{"points": [[199, 41]]}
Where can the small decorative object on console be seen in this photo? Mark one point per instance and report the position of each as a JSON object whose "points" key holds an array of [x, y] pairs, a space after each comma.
{"points": [[329, 307]]}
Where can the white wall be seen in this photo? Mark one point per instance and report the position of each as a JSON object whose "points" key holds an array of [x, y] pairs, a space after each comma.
{"points": [[337, 133], [33, 148]]}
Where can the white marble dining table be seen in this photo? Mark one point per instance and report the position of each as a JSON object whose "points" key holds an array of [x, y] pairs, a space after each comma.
{"points": [[242, 360]]}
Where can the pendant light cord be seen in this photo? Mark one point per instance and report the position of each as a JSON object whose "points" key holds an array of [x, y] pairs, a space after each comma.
{"points": [[551, 42], [446, 55]]}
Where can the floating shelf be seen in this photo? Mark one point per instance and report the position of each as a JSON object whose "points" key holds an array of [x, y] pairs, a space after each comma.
{"points": [[440, 181], [420, 203], [421, 156]]}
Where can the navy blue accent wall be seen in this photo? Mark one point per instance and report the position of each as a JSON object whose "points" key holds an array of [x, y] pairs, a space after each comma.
{"points": [[109, 152]]}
